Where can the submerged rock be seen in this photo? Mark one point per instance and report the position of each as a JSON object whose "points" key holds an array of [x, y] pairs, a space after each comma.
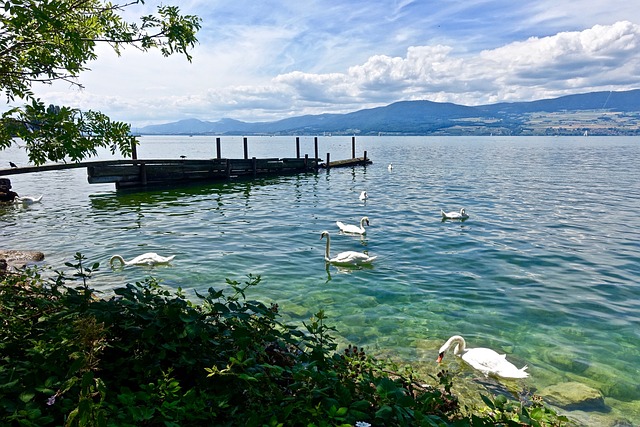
{"points": [[566, 361], [574, 396], [19, 259]]}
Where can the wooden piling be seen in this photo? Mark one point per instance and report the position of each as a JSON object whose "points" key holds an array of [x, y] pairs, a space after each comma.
{"points": [[328, 160], [143, 174], [246, 149], [134, 150], [315, 144], [218, 149], [297, 147], [353, 147], [254, 166]]}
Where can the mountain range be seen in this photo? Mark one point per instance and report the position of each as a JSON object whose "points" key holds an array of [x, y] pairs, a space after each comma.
{"points": [[610, 113]]}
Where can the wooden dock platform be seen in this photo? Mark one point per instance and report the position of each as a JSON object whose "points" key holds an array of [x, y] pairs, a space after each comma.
{"points": [[141, 173], [357, 161], [134, 172]]}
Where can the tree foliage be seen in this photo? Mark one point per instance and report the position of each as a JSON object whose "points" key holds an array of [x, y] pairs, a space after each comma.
{"points": [[43, 41]]}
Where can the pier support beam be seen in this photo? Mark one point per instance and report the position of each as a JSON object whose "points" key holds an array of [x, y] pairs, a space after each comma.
{"points": [[353, 147], [315, 145]]}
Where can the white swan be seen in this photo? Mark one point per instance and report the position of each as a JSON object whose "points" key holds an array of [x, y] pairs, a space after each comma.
{"points": [[27, 200], [345, 258], [354, 229], [454, 215], [390, 167], [150, 258], [364, 196], [485, 360]]}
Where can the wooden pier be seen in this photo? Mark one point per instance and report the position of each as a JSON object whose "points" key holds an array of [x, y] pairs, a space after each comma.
{"points": [[141, 173], [135, 172]]}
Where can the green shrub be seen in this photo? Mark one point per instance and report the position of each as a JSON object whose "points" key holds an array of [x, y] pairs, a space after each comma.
{"points": [[149, 357]]}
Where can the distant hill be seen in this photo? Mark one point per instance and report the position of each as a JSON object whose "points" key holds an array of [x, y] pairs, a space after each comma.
{"points": [[598, 112], [616, 101]]}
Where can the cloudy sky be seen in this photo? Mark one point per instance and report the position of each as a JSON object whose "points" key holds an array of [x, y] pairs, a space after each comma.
{"points": [[265, 60]]}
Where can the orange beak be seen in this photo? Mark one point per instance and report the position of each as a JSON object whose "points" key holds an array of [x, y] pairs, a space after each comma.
{"points": [[440, 356]]}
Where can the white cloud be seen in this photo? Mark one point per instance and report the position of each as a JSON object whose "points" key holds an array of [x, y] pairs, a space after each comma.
{"points": [[270, 60]]}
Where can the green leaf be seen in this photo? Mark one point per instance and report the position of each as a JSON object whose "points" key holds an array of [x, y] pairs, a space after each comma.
{"points": [[384, 413], [361, 405], [487, 401], [27, 396], [500, 401], [247, 377], [341, 412]]}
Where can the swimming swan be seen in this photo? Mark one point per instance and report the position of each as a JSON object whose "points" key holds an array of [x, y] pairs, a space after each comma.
{"points": [[150, 258], [485, 360], [454, 215], [345, 258], [27, 200], [354, 229], [364, 196]]}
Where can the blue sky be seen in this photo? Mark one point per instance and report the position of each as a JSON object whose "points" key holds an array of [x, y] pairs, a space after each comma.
{"points": [[268, 60]]}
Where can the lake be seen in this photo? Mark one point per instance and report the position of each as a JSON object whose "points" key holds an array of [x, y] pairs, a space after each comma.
{"points": [[545, 269]]}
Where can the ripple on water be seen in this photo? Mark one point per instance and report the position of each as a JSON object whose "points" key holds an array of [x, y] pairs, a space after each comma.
{"points": [[545, 269]]}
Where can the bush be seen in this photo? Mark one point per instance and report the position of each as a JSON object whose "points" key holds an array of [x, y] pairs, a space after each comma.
{"points": [[147, 357]]}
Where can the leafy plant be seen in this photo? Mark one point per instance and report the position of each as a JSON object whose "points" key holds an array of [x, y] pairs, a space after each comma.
{"points": [[148, 356]]}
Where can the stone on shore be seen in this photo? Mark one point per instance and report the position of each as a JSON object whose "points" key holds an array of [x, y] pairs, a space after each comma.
{"points": [[19, 259]]}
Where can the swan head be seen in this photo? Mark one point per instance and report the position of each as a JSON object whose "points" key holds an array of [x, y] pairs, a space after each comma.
{"points": [[116, 259], [365, 220], [462, 212], [324, 234], [460, 345]]}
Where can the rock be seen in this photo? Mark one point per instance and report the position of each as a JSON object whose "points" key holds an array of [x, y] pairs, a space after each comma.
{"points": [[566, 361], [19, 259], [574, 396]]}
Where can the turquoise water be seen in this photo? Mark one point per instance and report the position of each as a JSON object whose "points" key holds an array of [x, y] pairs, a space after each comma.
{"points": [[546, 268]]}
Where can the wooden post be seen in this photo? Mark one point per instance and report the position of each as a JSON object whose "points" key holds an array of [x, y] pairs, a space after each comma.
{"points": [[218, 150], [246, 149], [254, 166], [306, 162], [353, 147], [297, 147], [134, 150], [143, 174], [315, 144], [328, 160], [228, 166], [365, 157]]}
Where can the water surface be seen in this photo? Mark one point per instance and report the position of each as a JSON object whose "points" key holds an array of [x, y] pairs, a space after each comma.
{"points": [[546, 269]]}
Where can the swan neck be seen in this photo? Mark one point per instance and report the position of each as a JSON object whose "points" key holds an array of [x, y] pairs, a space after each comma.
{"points": [[117, 258], [458, 341], [326, 251], [461, 345]]}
